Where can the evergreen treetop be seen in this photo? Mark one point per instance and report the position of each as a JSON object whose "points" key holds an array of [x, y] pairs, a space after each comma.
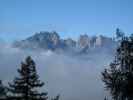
{"points": [[25, 87]]}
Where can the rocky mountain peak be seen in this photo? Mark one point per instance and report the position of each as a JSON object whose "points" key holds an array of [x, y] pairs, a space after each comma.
{"points": [[103, 41], [70, 43], [52, 41], [83, 41], [55, 38]]}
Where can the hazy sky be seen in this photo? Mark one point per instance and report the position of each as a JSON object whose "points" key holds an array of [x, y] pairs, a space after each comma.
{"points": [[21, 18]]}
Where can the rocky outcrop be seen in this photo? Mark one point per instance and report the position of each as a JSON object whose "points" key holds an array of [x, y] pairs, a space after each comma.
{"points": [[52, 41]]}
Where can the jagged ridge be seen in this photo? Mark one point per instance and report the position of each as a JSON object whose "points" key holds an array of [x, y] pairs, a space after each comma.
{"points": [[52, 41]]}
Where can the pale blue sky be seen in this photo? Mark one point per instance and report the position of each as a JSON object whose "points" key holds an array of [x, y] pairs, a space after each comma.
{"points": [[22, 18]]}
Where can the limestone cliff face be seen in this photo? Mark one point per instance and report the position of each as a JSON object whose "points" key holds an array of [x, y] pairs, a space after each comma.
{"points": [[70, 43], [52, 41], [84, 41]]}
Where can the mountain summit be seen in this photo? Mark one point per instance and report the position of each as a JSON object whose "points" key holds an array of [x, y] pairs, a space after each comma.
{"points": [[52, 41]]}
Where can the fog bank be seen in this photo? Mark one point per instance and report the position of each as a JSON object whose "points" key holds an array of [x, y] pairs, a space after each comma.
{"points": [[74, 78]]}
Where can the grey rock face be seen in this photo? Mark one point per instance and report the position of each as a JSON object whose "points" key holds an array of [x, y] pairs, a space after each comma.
{"points": [[70, 43], [102, 41], [52, 41], [55, 39], [83, 41]]}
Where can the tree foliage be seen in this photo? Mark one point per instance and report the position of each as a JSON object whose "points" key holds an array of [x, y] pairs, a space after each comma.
{"points": [[118, 78], [56, 98], [25, 87], [3, 91]]}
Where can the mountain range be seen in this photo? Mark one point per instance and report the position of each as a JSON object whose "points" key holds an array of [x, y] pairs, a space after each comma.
{"points": [[52, 41]]}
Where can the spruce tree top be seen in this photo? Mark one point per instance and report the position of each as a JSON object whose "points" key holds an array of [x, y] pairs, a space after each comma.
{"points": [[25, 87]]}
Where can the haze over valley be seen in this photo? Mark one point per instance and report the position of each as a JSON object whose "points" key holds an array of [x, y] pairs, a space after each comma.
{"points": [[66, 66]]}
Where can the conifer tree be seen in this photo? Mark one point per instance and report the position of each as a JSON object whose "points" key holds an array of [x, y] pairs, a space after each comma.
{"points": [[105, 98], [56, 98], [25, 87], [2, 91], [118, 78]]}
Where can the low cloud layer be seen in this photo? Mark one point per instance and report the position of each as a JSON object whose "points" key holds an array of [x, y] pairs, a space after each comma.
{"points": [[74, 78]]}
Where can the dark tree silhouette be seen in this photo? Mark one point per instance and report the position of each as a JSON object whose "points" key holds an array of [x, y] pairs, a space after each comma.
{"points": [[118, 78], [25, 86], [3, 91], [56, 98], [105, 98], [119, 33]]}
